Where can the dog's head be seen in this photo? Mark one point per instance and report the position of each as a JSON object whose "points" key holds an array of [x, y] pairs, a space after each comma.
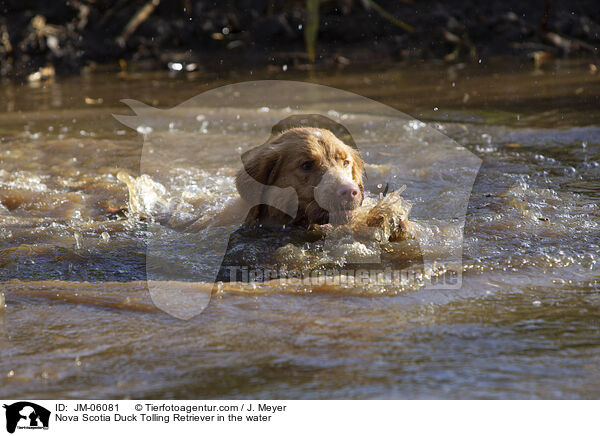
{"points": [[326, 174]]}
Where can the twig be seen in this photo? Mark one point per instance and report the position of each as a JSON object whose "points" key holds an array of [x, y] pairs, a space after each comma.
{"points": [[312, 27], [187, 7], [385, 14], [568, 44], [140, 16], [5, 38], [546, 15], [109, 13], [84, 13]]}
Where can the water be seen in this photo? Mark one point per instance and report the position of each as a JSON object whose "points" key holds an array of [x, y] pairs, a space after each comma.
{"points": [[79, 321]]}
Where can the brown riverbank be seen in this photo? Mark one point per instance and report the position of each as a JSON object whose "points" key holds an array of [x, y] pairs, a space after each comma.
{"points": [[201, 35]]}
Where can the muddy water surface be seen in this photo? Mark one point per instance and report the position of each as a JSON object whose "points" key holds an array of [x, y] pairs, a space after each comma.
{"points": [[79, 322]]}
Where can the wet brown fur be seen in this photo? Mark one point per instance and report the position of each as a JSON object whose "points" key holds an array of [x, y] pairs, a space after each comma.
{"points": [[279, 163]]}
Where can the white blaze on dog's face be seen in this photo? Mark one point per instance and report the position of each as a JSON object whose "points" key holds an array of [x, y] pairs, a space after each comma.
{"points": [[325, 173], [338, 193]]}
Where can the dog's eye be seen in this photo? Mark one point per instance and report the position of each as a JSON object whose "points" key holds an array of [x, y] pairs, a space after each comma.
{"points": [[307, 166], [346, 162]]}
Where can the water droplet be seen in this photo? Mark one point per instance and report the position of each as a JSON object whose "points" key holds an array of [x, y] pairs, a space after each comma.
{"points": [[144, 130], [77, 237]]}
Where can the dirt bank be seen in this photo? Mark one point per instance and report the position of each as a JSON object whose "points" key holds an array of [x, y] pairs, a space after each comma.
{"points": [[150, 34]]}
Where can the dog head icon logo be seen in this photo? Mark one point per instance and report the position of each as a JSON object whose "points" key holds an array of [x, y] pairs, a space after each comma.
{"points": [[25, 414]]}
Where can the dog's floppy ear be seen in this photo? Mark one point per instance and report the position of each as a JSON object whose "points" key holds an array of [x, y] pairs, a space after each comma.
{"points": [[261, 167]]}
